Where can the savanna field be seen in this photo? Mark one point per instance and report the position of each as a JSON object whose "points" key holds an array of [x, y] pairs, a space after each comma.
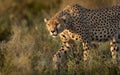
{"points": [[26, 48]]}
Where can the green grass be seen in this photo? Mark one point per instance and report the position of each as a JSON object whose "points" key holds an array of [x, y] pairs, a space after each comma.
{"points": [[29, 48]]}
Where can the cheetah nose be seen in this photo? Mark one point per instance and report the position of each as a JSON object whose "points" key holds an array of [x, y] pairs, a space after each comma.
{"points": [[53, 31]]}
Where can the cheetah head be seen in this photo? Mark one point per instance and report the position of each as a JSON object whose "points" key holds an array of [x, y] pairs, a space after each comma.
{"points": [[55, 26]]}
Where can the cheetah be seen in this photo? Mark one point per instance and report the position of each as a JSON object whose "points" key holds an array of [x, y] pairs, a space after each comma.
{"points": [[76, 23]]}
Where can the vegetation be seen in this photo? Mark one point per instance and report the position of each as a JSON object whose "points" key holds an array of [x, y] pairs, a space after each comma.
{"points": [[26, 47]]}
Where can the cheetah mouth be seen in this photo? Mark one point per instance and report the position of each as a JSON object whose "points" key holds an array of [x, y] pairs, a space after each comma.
{"points": [[54, 35]]}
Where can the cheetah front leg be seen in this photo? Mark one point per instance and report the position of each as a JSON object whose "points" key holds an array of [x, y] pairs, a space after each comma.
{"points": [[60, 58], [86, 48], [114, 50]]}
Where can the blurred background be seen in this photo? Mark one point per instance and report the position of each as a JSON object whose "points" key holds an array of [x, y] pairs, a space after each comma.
{"points": [[26, 47]]}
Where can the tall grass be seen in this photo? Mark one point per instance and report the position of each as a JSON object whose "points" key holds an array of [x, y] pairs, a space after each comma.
{"points": [[29, 48]]}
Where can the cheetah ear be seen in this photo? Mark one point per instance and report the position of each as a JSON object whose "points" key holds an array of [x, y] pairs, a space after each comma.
{"points": [[45, 20]]}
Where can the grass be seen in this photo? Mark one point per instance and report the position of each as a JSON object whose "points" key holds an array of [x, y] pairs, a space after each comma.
{"points": [[29, 47]]}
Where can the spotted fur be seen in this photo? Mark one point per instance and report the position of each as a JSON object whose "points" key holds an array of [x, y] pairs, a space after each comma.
{"points": [[84, 25]]}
